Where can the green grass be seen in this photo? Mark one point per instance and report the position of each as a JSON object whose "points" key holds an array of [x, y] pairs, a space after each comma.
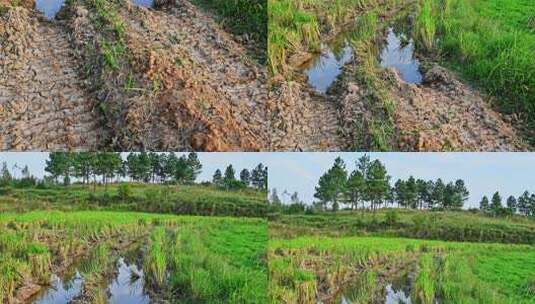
{"points": [[223, 263], [242, 17], [450, 225], [202, 259], [492, 44], [455, 272], [177, 199]]}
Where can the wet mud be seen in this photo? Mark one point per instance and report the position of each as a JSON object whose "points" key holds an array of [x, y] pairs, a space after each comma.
{"points": [[43, 104], [183, 82]]}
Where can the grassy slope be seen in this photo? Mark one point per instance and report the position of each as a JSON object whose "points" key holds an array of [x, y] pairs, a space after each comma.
{"points": [[492, 42], [459, 226], [182, 199], [222, 244], [498, 273]]}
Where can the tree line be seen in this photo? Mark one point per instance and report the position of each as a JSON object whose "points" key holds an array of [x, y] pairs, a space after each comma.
{"points": [[104, 167], [368, 186], [524, 205], [256, 178]]}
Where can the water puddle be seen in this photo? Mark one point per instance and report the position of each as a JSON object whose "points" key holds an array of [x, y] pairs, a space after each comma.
{"points": [[127, 287], [399, 54], [49, 8], [396, 295], [323, 70], [62, 291], [144, 3]]}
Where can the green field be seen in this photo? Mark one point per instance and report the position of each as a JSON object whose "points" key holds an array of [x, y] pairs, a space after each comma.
{"points": [[194, 199], [196, 259], [307, 268], [453, 257], [491, 42]]}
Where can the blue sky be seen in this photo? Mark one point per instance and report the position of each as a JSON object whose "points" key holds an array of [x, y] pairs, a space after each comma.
{"points": [[484, 173]]}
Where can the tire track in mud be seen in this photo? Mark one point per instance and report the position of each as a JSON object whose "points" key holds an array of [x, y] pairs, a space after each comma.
{"points": [[43, 105], [303, 121], [212, 97]]}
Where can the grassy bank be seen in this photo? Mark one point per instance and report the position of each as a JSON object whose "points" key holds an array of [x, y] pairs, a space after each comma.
{"points": [[177, 199], [453, 226], [490, 42], [195, 257], [306, 268]]}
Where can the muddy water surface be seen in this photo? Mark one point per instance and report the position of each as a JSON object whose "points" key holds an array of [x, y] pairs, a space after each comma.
{"points": [[127, 287], [49, 8], [323, 70], [399, 54], [62, 291]]}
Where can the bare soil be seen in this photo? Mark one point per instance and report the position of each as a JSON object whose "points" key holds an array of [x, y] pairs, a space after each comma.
{"points": [[43, 105], [194, 87]]}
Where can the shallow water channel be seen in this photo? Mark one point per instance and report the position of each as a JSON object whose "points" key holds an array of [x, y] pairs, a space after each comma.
{"points": [[397, 53], [397, 291], [49, 8], [323, 70], [62, 290], [125, 288]]}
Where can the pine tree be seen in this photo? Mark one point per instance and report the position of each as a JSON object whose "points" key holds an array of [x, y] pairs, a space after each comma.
{"points": [[496, 204], [245, 177], [217, 179], [355, 189], [377, 184], [511, 204], [484, 204]]}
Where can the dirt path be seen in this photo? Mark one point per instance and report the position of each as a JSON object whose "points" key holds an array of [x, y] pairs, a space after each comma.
{"points": [[42, 103]]}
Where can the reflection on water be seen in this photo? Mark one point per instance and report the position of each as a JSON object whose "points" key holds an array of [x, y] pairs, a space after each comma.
{"points": [[400, 56], [128, 285], [145, 3], [49, 8], [61, 292], [324, 70], [396, 296]]}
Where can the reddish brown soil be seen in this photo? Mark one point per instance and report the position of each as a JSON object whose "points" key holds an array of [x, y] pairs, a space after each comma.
{"points": [[42, 102], [194, 87]]}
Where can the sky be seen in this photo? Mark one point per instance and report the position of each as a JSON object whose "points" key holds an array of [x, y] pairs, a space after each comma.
{"points": [[484, 173]]}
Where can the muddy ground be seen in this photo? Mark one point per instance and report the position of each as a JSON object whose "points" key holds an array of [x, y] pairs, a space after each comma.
{"points": [[443, 113], [180, 83]]}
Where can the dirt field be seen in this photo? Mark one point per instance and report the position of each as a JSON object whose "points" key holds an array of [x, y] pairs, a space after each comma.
{"points": [[109, 74]]}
